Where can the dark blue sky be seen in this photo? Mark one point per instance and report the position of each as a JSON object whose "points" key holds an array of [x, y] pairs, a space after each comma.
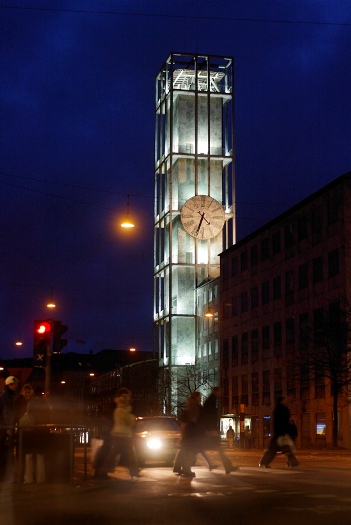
{"points": [[77, 133]]}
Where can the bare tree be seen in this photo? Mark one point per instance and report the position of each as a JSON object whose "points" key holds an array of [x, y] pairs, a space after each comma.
{"points": [[176, 384], [324, 353]]}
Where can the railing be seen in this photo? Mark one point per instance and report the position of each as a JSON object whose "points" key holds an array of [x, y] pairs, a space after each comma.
{"points": [[60, 439]]}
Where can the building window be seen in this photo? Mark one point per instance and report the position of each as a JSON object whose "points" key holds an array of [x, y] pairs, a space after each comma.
{"points": [[276, 247], [225, 271], [302, 228], [245, 389], [317, 268], [235, 306], [303, 276], [320, 424], [290, 380], [278, 382], [243, 261], [265, 292], [316, 220], [244, 348], [254, 297], [334, 314], [235, 350], [277, 288], [265, 337], [227, 308], [266, 426], [318, 320], [333, 210], [319, 385], [254, 345], [290, 332], [255, 388], [235, 400], [254, 255], [265, 249], [304, 376], [304, 331], [244, 302], [278, 333], [266, 387], [235, 266], [288, 235], [225, 353], [289, 287], [333, 261]]}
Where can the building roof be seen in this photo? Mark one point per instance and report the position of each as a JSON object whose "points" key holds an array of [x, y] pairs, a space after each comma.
{"points": [[288, 212]]}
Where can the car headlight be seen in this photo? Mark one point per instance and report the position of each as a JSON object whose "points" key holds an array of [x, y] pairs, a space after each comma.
{"points": [[154, 444]]}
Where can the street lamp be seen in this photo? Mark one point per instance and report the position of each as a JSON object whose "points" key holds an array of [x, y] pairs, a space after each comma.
{"points": [[19, 341], [127, 221], [51, 303]]}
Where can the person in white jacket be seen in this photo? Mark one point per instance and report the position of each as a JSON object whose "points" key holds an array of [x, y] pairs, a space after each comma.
{"points": [[122, 436]]}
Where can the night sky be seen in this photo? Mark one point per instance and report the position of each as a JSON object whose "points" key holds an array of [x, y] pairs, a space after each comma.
{"points": [[77, 136]]}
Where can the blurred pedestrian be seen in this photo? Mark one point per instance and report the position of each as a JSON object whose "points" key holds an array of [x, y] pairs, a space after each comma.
{"points": [[190, 444], [21, 402], [122, 436], [209, 426], [281, 440], [293, 433], [35, 437], [7, 435], [230, 436], [104, 451]]}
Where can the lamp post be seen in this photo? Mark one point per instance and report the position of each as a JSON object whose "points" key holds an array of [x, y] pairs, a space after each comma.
{"points": [[49, 349]]}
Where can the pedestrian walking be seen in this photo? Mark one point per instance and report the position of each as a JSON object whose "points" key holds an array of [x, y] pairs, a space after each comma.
{"points": [[209, 426], [122, 437], [230, 436], [104, 451], [191, 443], [7, 435], [281, 440]]}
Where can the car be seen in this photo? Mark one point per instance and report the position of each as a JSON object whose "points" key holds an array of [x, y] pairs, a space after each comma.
{"points": [[156, 439]]}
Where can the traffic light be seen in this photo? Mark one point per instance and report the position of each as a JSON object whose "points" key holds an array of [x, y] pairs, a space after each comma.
{"points": [[42, 338], [58, 343]]}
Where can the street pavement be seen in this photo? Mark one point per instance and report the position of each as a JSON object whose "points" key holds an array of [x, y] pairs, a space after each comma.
{"points": [[318, 491]]}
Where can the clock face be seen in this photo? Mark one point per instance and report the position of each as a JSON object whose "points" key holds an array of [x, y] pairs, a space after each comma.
{"points": [[202, 217]]}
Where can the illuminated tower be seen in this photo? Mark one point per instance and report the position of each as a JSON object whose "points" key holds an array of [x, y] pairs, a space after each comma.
{"points": [[194, 215]]}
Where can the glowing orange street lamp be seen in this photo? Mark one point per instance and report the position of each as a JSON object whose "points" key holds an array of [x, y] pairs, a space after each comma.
{"points": [[51, 303], [127, 221]]}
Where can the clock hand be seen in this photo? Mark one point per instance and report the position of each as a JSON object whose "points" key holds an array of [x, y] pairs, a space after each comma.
{"points": [[202, 218]]}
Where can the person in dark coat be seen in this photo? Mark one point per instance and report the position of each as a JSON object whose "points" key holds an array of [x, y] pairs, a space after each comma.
{"points": [[281, 427], [7, 418], [293, 433], [209, 427]]}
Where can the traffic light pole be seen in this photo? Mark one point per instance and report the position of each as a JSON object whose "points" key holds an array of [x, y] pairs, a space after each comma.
{"points": [[49, 348]]}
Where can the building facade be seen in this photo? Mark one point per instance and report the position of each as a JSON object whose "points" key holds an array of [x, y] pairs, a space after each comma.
{"points": [[274, 284], [194, 216]]}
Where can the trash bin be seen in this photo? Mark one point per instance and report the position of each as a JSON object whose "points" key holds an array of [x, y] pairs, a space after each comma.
{"points": [[59, 456]]}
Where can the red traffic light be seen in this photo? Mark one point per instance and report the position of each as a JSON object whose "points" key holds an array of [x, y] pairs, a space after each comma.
{"points": [[43, 327]]}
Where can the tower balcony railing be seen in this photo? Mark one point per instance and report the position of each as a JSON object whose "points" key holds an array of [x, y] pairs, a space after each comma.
{"points": [[189, 149]]}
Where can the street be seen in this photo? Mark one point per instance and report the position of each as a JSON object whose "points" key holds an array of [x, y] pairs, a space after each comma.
{"points": [[318, 491]]}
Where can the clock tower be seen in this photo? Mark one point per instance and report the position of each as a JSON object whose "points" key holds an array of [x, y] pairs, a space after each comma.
{"points": [[194, 213]]}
